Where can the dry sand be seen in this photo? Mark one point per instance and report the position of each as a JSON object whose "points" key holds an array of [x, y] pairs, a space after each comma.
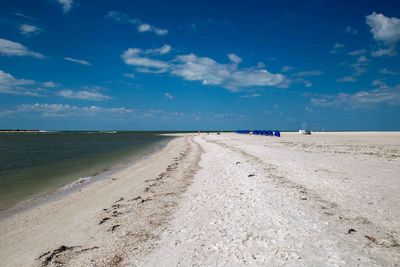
{"points": [[329, 199]]}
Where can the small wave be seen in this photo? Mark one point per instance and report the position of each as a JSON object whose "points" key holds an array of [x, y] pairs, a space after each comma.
{"points": [[80, 181]]}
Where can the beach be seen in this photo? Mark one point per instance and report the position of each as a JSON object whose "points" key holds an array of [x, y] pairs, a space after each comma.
{"points": [[328, 199]]}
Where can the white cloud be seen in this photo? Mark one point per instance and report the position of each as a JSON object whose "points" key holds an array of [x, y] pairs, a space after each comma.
{"points": [[308, 73], [129, 75], [357, 52], [359, 67], [49, 84], [251, 95], [260, 65], [11, 85], [159, 31], [384, 52], [61, 110], [150, 70], [144, 27], [384, 29], [386, 71], [380, 95], [347, 79], [234, 58], [165, 49], [134, 57], [23, 16], [336, 48], [141, 26], [10, 48], [351, 30], [85, 114], [83, 95], [193, 68], [79, 61], [66, 5], [27, 30], [362, 59], [307, 83], [286, 68], [378, 83], [121, 18], [169, 96]]}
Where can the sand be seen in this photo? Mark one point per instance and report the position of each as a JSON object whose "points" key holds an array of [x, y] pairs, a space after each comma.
{"points": [[329, 199]]}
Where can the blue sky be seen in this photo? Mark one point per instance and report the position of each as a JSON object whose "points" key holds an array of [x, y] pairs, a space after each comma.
{"points": [[187, 65]]}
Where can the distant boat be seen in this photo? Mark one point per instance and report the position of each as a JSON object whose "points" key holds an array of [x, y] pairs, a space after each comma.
{"points": [[112, 132], [304, 129], [304, 132]]}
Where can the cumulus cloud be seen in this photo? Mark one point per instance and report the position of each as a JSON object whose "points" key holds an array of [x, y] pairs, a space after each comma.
{"points": [[92, 95], [10, 48], [193, 68], [385, 30], [140, 26], [383, 94], [79, 61], [28, 30], [11, 85], [136, 57], [66, 5]]}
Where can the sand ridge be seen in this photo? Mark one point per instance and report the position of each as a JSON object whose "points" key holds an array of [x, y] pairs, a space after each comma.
{"points": [[257, 201]]}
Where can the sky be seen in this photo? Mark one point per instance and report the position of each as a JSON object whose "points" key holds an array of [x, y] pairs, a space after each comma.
{"points": [[197, 65]]}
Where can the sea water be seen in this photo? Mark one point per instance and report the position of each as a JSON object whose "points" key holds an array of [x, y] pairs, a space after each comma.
{"points": [[34, 164]]}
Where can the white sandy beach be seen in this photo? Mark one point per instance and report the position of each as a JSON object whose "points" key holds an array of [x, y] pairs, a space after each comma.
{"points": [[329, 199]]}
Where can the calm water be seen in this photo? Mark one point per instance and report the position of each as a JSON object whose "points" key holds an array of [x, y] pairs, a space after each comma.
{"points": [[33, 164]]}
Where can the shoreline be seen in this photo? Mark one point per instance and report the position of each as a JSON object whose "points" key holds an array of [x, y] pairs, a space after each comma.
{"points": [[79, 182], [98, 213]]}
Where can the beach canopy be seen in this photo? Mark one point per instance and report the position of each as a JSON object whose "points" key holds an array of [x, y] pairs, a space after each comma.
{"points": [[275, 133]]}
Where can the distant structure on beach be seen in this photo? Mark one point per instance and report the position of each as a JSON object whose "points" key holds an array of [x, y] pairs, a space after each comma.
{"points": [[304, 129], [260, 132]]}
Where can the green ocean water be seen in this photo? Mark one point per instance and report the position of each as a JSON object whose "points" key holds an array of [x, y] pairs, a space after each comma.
{"points": [[33, 164]]}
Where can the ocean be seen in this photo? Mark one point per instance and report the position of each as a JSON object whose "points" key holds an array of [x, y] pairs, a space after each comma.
{"points": [[35, 164]]}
